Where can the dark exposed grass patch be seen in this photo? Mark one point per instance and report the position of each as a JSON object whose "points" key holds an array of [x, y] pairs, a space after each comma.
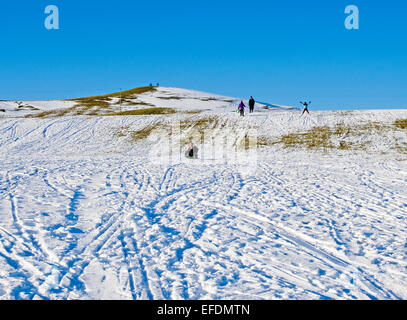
{"points": [[317, 137], [401, 147], [132, 93], [140, 134], [171, 98], [129, 102], [138, 112], [26, 107], [122, 131], [193, 111], [264, 141], [194, 128], [371, 127], [189, 98], [98, 105], [143, 133], [204, 123], [55, 113], [206, 99], [346, 136], [252, 142], [401, 124], [210, 99]]}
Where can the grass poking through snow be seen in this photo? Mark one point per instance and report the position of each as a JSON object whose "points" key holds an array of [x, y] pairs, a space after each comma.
{"points": [[139, 112], [344, 136]]}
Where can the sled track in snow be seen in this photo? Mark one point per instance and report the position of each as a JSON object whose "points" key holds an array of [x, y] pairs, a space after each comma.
{"points": [[372, 286], [218, 199]]}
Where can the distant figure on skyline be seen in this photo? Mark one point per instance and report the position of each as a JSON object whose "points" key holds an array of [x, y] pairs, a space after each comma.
{"points": [[251, 105], [241, 108]]}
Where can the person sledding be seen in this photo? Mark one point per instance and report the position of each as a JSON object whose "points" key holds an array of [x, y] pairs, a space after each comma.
{"points": [[240, 108], [192, 152], [251, 105], [305, 104]]}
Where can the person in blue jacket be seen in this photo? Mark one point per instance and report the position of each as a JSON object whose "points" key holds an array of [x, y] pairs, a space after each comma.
{"points": [[305, 104]]}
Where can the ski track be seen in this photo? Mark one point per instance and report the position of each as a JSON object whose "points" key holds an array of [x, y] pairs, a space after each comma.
{"points": [[79, 224]]}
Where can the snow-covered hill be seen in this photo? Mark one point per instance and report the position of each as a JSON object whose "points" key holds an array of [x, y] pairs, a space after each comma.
{"points": [[174, 99], [277, 206]]}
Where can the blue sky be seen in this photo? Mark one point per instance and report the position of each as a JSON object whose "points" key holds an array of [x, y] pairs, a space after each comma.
{"points": [[278, 51]]}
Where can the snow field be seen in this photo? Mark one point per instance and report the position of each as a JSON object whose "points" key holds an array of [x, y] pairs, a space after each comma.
{"points": [[87, 213]]}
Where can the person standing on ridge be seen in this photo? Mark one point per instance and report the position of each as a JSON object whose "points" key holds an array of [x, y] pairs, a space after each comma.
{"points": [[305, 104], [241, 108], [251, 105]]}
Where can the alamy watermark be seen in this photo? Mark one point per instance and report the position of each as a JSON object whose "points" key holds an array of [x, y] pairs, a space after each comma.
{"points": [[52, 20], [352, 19]]}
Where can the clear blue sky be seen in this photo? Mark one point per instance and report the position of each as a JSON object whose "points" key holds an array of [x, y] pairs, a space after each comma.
{"points": [[278, 51]]}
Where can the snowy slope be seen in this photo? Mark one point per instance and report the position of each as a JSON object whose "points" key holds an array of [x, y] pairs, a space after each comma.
{"points": [[23, 108], [158, 97], [88, 212]]}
